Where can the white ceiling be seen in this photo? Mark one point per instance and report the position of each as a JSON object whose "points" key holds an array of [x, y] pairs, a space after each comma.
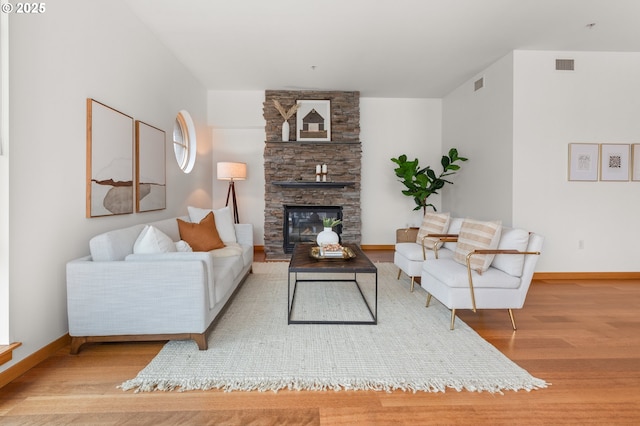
{"points": [[382, 48]]}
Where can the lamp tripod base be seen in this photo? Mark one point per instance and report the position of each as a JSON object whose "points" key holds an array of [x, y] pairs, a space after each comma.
{"points": [[232, 192]]}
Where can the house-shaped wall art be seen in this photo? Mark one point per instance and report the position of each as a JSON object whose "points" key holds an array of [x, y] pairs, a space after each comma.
{"points": [[313, 120]]}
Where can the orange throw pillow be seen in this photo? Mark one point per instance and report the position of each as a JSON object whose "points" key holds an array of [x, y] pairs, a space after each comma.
{"points": [[201, 236]]}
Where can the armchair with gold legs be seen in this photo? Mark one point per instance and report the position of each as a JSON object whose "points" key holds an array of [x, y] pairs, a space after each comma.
{"points": [[412, 249], [504, 285]]}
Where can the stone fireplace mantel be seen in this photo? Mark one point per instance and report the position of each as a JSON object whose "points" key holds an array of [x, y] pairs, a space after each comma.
{"points": [[311, 184]]}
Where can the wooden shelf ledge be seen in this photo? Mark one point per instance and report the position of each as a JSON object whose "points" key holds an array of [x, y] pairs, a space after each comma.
{"points": [[311, 184], [6, 352]]}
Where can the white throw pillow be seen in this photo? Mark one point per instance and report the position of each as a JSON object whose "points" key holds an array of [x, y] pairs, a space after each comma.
{"points": [[476, 235], [152, 240], [196, 214], [433, 223], [223, 219], [512, 239], [183, 246]]}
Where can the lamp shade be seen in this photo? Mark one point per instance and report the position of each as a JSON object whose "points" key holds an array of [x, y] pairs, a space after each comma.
{"points": [[232, 171]]}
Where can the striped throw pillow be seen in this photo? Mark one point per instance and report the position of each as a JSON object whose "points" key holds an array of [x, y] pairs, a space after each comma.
{"points": [[477, 235], [433, 223]]}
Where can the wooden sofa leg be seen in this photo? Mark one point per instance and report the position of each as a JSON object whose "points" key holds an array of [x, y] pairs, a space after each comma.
{"points": [[413, 280], [399, 273], [201, 340], [453, 317], [76, 342], [513, 320], [428, 300]]}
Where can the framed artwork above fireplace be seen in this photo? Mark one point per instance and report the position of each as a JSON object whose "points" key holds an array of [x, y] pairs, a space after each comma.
{"points": [[313, 120]]}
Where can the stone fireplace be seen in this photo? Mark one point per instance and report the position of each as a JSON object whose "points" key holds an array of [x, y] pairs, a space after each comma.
{"points": [[290, 167]]}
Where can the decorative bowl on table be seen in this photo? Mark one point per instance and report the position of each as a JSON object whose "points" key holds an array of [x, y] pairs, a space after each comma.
{"points": [[332, 252]]}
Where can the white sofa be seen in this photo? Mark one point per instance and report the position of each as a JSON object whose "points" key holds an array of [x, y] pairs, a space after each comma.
{"points": [[115, 294]]}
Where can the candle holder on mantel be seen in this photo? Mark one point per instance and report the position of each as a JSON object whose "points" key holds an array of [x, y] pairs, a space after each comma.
{"points": [[321, 173]]}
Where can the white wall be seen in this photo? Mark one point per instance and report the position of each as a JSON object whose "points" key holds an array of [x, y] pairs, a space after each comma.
{"points": [[76, 50], [389, 128], [516, 132], [479, 125], [238, 136], [599, 102], [4, 179]]}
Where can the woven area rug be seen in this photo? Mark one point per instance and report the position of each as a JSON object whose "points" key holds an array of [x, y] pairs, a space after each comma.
{"points": [[411, 348]]}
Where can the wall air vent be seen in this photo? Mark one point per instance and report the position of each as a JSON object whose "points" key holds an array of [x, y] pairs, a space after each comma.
{"points": [[478, 84], [564, 64]]}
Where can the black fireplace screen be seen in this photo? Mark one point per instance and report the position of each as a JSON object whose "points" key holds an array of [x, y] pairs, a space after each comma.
{"points": [[303, 223]]}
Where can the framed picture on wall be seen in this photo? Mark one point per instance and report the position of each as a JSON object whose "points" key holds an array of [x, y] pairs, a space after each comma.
{"points": [[614, 162], [635, 161], [313, 120], [583, 161], [109, 161], [150, 168]]}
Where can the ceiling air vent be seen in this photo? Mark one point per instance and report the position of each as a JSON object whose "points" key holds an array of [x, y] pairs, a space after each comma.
{"points": [[564, 64], [478, 84]]}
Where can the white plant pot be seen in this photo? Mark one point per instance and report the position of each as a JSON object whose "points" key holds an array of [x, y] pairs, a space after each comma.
{"points": [[327, 237], [285, 131]]}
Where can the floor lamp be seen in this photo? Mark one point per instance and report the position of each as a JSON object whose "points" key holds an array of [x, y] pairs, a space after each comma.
{"points": [[232, 172]]}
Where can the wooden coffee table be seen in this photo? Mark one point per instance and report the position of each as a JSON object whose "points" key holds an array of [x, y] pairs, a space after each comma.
{"points": [[303, 262]]}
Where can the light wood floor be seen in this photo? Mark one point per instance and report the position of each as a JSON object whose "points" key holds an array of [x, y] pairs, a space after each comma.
{"points": [[581, 336]]}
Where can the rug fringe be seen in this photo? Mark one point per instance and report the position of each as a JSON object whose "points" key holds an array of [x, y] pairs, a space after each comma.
{"points": [[277, 384]]}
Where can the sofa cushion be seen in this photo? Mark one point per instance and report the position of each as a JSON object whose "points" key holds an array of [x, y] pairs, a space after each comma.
{"points": [[511, 239], [413, 252], [202, 236], [223, 219], [477, 235], [114, 245], [152, 240], [229, 249], [449, 272], [225, 270], [432, 223]]}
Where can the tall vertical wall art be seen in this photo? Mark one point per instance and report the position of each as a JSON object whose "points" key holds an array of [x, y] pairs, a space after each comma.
{"points": [[150, 168], [109, 161]]}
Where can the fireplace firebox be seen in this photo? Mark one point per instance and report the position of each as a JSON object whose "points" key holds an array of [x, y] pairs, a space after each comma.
{"points": [[302, 224]]}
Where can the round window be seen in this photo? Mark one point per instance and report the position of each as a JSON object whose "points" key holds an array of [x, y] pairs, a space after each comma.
{"points": [[184, 141]]}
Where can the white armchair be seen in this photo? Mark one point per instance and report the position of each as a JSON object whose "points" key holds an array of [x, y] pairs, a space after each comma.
{"points": [[415, 245], [503, 285]]}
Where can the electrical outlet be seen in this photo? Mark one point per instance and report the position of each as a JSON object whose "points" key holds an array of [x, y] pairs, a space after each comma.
{"points": [[580, 244]]}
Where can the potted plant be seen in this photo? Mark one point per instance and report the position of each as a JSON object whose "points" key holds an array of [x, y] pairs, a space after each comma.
{"points": [[421, 183], [327, 236], [329, 222]]}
